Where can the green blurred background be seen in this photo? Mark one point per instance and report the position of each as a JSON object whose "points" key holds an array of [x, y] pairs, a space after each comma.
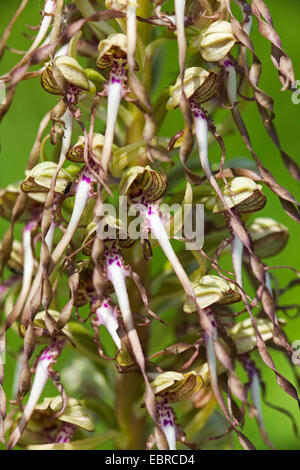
{"points": [[19, 127]]}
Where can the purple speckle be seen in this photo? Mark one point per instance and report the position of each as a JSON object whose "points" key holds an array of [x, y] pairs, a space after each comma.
{"points": [[29, 226], [86, 178], [167, 422], [227, 63]]}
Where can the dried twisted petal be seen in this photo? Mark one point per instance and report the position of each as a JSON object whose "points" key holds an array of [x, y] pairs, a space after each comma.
{"points": [[15, 261]]}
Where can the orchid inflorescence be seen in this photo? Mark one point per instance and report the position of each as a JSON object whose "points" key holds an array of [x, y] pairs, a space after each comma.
{"points": [[65, 283]]}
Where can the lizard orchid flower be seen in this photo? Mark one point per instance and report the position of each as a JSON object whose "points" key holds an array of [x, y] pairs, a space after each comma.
{"points": [[113, 55], [47, 358], [107, 315], [143, 187]]}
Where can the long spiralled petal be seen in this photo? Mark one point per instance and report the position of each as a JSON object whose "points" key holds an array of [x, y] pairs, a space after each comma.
{"points": [[158, 229], [27, 274], [47, 358], [179, 13], [201, 131], [237, 254], [38, 386], [50, 235], [231, 81], [81, 198], [131, 34], [116, 275], [28, 260], [167, 424], [49, 8], [67, 120], [269, 282], [114, 96], [106, 316]]}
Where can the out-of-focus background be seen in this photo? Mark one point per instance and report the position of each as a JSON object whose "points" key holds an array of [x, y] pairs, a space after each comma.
{"points": [[19, 127]]}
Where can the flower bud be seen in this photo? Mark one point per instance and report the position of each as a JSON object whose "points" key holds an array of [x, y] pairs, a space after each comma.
{"points": [[43, 426], [211, 290], [243, 194], [123, 156], [216, 41], [269, 236], [176, 386], [244, 335], [71, 73], [39, 178], [76, 153], [141, 181], [112, 48], [199, 84]]}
